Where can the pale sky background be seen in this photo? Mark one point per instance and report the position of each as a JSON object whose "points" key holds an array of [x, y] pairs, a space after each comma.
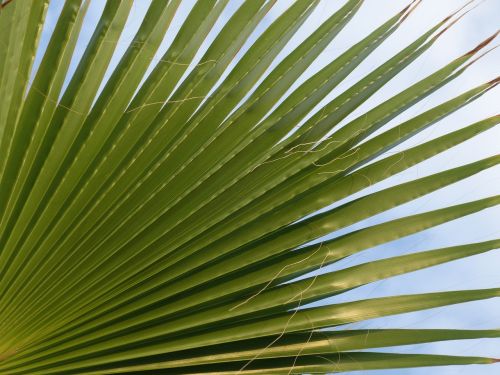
{"points": [[476, 272]]}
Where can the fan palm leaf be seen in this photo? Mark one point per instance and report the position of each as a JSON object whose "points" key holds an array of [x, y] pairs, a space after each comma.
{"points": [[177, 217]]}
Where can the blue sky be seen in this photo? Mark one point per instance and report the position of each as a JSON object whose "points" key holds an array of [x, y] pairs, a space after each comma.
{"points": [[477, 272]]}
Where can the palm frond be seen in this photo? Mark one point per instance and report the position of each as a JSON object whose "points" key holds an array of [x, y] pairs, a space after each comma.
{"points": [[166, 217]]}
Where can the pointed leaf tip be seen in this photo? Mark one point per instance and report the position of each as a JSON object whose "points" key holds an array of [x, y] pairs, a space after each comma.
{"points": [[449, 26], [483, 44], [478, 58], [494, 82], [446, 19], [458, 11], [405, 13]]}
